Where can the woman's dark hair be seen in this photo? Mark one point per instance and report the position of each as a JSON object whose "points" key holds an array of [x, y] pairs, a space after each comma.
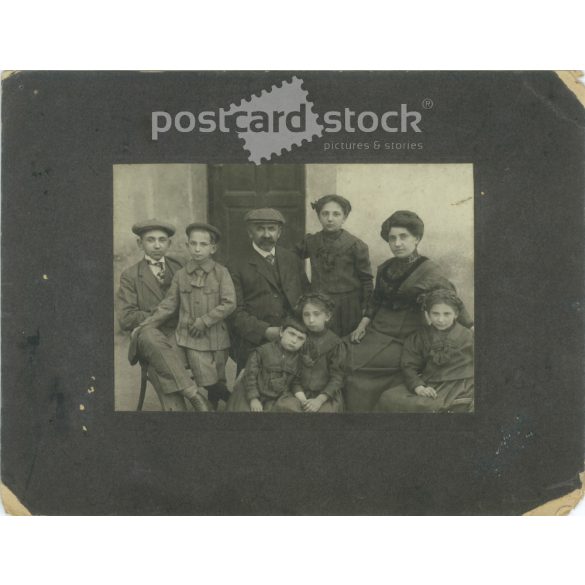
{"points": [[316, 298], [341, 201], [442, 295], [404, 219]]}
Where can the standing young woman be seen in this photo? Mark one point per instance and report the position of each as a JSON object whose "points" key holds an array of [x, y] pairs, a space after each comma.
{"points": [[340, 264]]}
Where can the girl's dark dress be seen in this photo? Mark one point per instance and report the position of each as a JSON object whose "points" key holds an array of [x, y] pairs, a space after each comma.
{"points": [[395, 313], [340, 267], [321, 372], [440, 359]]}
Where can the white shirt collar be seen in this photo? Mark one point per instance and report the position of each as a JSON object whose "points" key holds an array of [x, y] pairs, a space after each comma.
{"points": [[264, 253], [149, 259]]}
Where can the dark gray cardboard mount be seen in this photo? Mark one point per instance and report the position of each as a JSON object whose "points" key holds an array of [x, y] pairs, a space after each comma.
{"points": [[523, 132]]}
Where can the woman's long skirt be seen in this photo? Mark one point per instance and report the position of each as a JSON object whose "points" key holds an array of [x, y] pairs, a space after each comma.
{"points": [[452, 396], [373, 367]]}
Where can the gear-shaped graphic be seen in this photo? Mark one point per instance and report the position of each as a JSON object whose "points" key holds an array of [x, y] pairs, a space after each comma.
{"points": [[287, 98]]}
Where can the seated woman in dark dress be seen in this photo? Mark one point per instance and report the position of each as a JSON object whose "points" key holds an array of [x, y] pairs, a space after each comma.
{"points": [[394, 313]]}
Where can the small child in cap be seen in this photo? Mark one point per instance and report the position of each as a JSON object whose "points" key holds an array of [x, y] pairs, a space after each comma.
{"points": [[270, 371], [203, 295], [318, 388]]}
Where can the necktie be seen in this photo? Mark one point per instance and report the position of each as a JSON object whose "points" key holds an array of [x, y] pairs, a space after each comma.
{"points": [[270, 259], [159, 270]]}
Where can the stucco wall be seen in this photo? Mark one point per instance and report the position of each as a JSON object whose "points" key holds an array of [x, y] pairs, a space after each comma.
{"points": [[441, 194], [173, 192]]}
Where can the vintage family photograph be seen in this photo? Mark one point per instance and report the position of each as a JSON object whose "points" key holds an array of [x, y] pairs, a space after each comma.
{"points": [[290, 288], [208, 335]]}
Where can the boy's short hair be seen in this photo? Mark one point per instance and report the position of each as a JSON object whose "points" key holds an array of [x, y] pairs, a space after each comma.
{"points": [[294, 324], [214, 233], [442, 295]]}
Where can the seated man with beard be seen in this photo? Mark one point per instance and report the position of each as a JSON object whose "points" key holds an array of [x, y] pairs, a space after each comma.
{"points": [[268, 280]]}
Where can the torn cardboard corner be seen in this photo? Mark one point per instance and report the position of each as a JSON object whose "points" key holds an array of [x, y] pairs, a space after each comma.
{"points": [[561, 506], [572, 80], [11, 503], [7, 73]]}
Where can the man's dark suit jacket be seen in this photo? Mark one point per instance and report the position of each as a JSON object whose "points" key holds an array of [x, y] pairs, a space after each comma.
{"points": [[262, 301], [139, 294]]}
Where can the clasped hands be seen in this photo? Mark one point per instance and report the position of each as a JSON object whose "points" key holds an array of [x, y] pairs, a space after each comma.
{"points": [[197, 328], [426, 391], [360, 331], [311, 404]]}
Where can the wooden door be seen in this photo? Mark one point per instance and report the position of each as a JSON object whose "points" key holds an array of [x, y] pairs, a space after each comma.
{"points": [[236, 189]]}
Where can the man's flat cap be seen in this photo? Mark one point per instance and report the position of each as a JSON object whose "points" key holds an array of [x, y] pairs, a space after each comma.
{"points": [[207, 227], [265, 214], [153, 224]]}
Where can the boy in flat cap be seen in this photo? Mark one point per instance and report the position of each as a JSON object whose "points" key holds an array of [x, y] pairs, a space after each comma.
{"points": [[268, 280], [271, 371], [202, 295], [142, 287]]}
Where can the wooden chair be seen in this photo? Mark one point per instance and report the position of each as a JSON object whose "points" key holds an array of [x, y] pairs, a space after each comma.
{"points": [[165, 402], [143, 384]]}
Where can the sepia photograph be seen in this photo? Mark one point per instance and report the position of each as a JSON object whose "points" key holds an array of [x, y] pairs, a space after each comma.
{"points": [[291, 288]]}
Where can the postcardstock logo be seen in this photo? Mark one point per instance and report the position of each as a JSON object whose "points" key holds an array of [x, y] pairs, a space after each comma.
{"points": [[276, 120], [285, 117]]}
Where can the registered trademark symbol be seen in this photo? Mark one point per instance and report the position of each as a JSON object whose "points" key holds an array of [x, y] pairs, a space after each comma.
{"points": [[427, 103]]}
